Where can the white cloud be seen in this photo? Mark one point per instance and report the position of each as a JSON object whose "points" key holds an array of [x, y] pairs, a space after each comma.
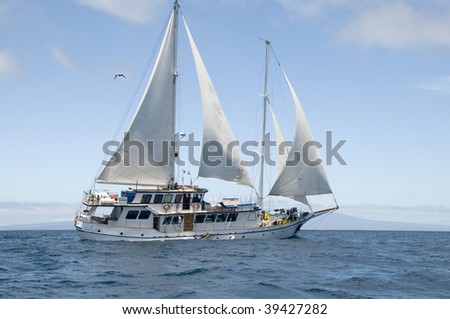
{"points": [[398, 25], [311, 8], [61, 58], [438, 85], [9, 68], [136, 11]]}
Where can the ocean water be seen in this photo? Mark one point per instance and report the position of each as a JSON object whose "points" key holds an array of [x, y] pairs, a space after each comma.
{"points": [[317, 264]]}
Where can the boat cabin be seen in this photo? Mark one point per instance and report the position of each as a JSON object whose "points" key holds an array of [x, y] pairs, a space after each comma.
{"points": [[178, 198]]}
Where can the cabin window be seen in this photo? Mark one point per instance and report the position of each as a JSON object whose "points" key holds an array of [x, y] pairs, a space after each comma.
{"points": [[144, 214], [168, 198], [199, 219], [210, 218], [252, 216], [158, 199], [132, 214], [146, 198], [232, 217], [177, 220], [197, 198], [178, 198], [167, 220], [221, 218]]}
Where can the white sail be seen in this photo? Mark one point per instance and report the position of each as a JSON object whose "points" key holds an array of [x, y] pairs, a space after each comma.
{"points": [[216, 130], [299, 178], [136, 160], [282, 150]]}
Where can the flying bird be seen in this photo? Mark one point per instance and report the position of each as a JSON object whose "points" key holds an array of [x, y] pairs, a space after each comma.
{"points": [[119, 75]]}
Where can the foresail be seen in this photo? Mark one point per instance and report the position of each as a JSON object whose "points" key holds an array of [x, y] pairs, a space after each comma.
{"points": [[145, 155], [216, 130], [301, 177], [282, 150]]}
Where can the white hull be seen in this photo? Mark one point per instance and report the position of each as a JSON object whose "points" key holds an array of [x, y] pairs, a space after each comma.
{"points": [[181, 214], [97, 232]]}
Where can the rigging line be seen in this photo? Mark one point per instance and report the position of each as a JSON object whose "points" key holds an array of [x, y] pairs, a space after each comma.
{"points": [[281, 83], [182, 127], [256, 126], [276, 57], [226, 25], [127, 110], [318, 219]]}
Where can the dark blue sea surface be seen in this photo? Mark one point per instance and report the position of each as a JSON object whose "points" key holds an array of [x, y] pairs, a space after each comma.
{"points": [[317, 264]]}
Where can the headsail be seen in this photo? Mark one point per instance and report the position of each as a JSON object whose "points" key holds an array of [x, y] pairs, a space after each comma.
{"points": [[137, 160], [298, 179], [216, 130], [282, 150]]}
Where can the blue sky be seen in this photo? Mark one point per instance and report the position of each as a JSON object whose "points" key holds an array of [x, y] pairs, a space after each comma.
{"points": [[375, 73]]}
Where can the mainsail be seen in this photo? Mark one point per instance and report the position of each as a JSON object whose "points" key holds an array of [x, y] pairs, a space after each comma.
{"points": [[145, 155], [217, 133], [299, 177]]}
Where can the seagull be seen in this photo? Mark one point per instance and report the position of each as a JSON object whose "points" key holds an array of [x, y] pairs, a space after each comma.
{"points": [[119, 75]]}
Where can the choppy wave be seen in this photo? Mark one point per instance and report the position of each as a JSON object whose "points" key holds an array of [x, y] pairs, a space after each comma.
{"points": [[317, 264]]}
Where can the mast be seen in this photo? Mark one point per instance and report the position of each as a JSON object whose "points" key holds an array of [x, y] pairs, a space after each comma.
{"points": [[175, 75], [263, 148]]}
